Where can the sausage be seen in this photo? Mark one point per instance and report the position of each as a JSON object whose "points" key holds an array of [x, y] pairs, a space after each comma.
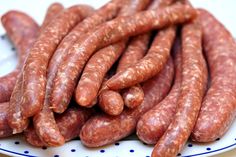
{"points": [[98, 65], [34, 76], [69, 123], [106, 12], [219, 105], [111, 102], [148, 66], [22, 31], [112, 107], [5, 129], [194, 81], [45, 118], [53, 10], [109, 33], [133, 96], [103, 129], [94, 72], [153, 124]]}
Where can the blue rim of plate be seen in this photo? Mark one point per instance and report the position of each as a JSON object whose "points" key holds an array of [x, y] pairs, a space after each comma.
{"points": [[193, 155]]}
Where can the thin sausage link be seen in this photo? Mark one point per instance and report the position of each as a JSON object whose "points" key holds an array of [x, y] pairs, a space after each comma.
{"points": [[45, 118], [23, 31], [112, 107], [103, 129], [153, 124], [219, 105], [148, 66], [108, 33], [194, 80], [94, 72]]}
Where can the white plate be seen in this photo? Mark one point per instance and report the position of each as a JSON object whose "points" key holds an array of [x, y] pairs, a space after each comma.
{"points": [[129, 147]]}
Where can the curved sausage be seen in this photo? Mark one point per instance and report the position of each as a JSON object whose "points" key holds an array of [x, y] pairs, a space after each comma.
{"points": [[105, 13], [102, 129], [34, 76], [22, 31], [69, 124], [98, 65], [108, 33], [148, 66], [45, 118], [53, 10], [112, 107], [194, 81], [219, 105], [94, 72], [153, 124]]}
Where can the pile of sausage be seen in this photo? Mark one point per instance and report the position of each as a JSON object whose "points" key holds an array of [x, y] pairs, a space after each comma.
{"points": [[160, 68]]}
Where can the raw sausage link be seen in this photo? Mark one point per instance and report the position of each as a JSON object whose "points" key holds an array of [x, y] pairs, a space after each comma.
{"points": [[103, 129], [96, 68], [133, 96], [5, 129], [53, 10], [108, 33], [34, 76], [148, 66], [137, 48], [45, 118], [22, 31], [194, 81], [69, 124], [219, 105], [153, 124], [111, 106], [105, 13], [15, 118]]}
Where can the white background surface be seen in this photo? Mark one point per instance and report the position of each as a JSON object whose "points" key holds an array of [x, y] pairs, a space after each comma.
{"points": [[224, 10]]}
